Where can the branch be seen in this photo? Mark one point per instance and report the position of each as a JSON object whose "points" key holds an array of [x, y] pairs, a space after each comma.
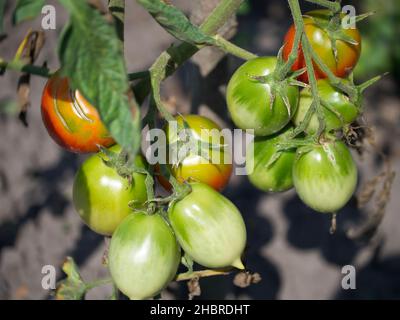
{"points": [[23, 67], [332, 5], [201, 274]]}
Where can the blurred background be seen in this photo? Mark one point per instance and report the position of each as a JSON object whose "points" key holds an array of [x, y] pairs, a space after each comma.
{"points": [[289, 245]]}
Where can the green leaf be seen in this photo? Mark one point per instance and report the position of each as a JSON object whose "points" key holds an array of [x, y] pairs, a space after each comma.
{"points": [[175, 22], [27, 9], [91, 56], [73, 287]]}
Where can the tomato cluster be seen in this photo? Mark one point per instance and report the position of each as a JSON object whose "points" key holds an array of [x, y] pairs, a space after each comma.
{"points": [[318, 164], [114, 195]]}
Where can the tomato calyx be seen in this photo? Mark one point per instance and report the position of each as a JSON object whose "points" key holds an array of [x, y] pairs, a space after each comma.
{"points": [[279, 83]]}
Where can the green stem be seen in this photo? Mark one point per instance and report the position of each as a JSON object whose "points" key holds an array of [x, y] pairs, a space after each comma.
{"points": [[201, 274], [306, 47], [138, 75], [28, 68], [233, 49], [332, 5], [117, 10], [98, 283], [174, 57]]}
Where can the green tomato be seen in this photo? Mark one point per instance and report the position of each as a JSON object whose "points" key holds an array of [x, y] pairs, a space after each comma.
{"points": [[337, 100], [278, 176], [249, 101], [101, 196], [325, 178], [144, 255], [209, 228]]}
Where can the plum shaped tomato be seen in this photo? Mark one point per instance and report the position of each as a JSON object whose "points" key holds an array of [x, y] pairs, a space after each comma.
{"points": [[101, 196], [71, 120], [215, 169], [209, 227], [316, 28], [144, 255], [325, 178], [339, 111], [249, 100], [272, 177]]}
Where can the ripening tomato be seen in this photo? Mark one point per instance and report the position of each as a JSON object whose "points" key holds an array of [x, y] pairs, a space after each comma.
{"points": [[347, 53], [144, 255], [214, 169], [336, 100], [325, 178], [249, 101], [101, 196], [278, 176], [209, 227], [71, 120]]}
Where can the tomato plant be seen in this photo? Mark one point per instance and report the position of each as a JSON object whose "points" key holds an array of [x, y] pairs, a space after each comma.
{"points": [[339, 48], [144, 255], [209, 227], [249, 101], [338, 110], [70, 119], [214, 168], [114, 191], [101, 196], [325, 177], [275, 176]]}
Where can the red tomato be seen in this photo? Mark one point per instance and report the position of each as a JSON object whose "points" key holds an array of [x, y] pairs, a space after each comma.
{"points": [[347, 54], [71, 120]]}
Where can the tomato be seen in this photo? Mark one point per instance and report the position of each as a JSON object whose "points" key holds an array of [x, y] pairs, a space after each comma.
{"points": [[337, 100], [347, 53], [249, 101], [144, 255], [195, 167], [209, 228], [325, 178], [71, 120], [278, 176], [101, 196]]}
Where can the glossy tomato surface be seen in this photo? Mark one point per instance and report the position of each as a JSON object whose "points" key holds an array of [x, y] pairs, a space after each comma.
{"points": [[214, 169], [101, 196], [278, 176], [342, 113], [71, 120], [144, 255], [326, 177], [347, 54], [209, 227], [249, 101]]}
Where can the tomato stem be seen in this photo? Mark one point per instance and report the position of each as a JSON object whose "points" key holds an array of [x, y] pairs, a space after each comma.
{"points": [[334, 6], [202, 274], [229, 47], [18, 65]]}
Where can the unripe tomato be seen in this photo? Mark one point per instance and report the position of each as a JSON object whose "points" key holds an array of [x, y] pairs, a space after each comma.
{"points": [[101, 195], [336, 99], [71, 120], [209, 228], [325, 178], [249, 101], [195, 167], [144, 255], [347, 53], [278, 176]]}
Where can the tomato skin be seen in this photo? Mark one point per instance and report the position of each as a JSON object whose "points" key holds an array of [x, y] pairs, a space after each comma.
{"points": [[249, 102], [277, 177], [347, 54], [194, 167], [144, 255], [70, 119], [101, 196], [326, 177], [338, 102], [209, 228]]}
